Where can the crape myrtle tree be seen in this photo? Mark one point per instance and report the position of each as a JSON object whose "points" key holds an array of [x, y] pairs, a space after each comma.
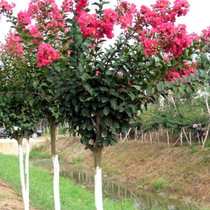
{"points": [[20, 120], [99, 89], [25, 45], [107, 86], [18, 108]]}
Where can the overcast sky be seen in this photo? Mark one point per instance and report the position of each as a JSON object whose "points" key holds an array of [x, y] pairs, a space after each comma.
{"points": [[198, 17]]}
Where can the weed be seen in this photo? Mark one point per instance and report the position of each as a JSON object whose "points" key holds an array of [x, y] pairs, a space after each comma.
{"points": [[207, 144], [194, 143], [78, 160], [144, 180], [114, 171], [61, 155], [159, 185], [193, 150], [158, 154]]}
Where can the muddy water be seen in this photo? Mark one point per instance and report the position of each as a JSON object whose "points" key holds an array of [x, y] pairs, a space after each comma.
{"points": [[115, 190]]}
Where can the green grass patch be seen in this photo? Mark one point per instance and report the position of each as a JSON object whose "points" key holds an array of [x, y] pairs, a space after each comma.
{"points": [[41, 189], [193, 150], [207, 144], [78, 160], [159, 185], [36, 153]]}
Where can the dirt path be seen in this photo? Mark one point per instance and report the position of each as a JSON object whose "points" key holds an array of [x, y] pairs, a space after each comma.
{"points": [[9, 200]]}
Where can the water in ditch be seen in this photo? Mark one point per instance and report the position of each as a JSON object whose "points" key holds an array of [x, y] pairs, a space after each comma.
{"points": [[113, 190]]}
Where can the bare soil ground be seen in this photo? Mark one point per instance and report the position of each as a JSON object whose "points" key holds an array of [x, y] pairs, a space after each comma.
{"points": [[9, 200], [184, 171]]}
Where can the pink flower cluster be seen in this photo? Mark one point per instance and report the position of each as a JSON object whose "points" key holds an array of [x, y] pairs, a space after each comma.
{"points": [[88, 24], [13, 45], [185, 71], [23, 18], [47, 14], [91, 25], [126, 13], [34, 31], [206, 35], [67, 5], [6, 8], [81, 4], [46, 55], [157, 31]]}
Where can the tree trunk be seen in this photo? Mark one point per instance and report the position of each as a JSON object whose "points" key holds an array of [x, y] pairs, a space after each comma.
{"points": [[207, 133], [56, 169], [97, 152], [168, 139], [22, 177], [98, 178], [27, 173]]}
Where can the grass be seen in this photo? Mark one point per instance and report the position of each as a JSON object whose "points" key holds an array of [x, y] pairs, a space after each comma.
{"points": [[193, 150], [207, 144], [36, 153], [144, 180], [78, 160], [41, 189], [159, 185]]}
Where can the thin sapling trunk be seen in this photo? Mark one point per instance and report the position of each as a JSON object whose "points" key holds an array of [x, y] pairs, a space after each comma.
{"points": [[98, 178], [27, 173], [22, 176], [97, 152], [56, 167]]}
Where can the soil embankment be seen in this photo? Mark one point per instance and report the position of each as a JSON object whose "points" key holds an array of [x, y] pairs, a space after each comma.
{"points": [[9, 200], [175, 172]]}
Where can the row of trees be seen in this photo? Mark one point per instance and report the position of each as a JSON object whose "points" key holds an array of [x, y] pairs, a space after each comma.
{"points": [[54, 65]]}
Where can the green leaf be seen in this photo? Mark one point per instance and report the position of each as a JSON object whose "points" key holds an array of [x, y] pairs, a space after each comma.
{"points": [[132, 96], [89, 127], [113, 104], [105, 133], [128, 112], [103, 89], [105, 143], [113, 142], [137, 87], [84, 76], [106, 110], [89, 88], [85, 112], [104, 99], [116, 125], [109, 72], [149, 91], [108, 122]]}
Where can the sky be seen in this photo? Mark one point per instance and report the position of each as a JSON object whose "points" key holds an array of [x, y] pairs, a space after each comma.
{"points": [[198, 17]]}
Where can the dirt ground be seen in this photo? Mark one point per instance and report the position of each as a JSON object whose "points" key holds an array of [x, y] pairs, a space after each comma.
{"points": [[9, 200]]}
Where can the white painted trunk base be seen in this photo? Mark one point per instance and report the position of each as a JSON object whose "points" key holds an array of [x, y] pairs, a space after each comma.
{"points": [[22, 177], [56, 182], [98, 189], [27, 175]]}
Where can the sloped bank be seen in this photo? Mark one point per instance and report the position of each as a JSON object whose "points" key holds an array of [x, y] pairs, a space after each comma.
{"points": [[174, 172]]}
